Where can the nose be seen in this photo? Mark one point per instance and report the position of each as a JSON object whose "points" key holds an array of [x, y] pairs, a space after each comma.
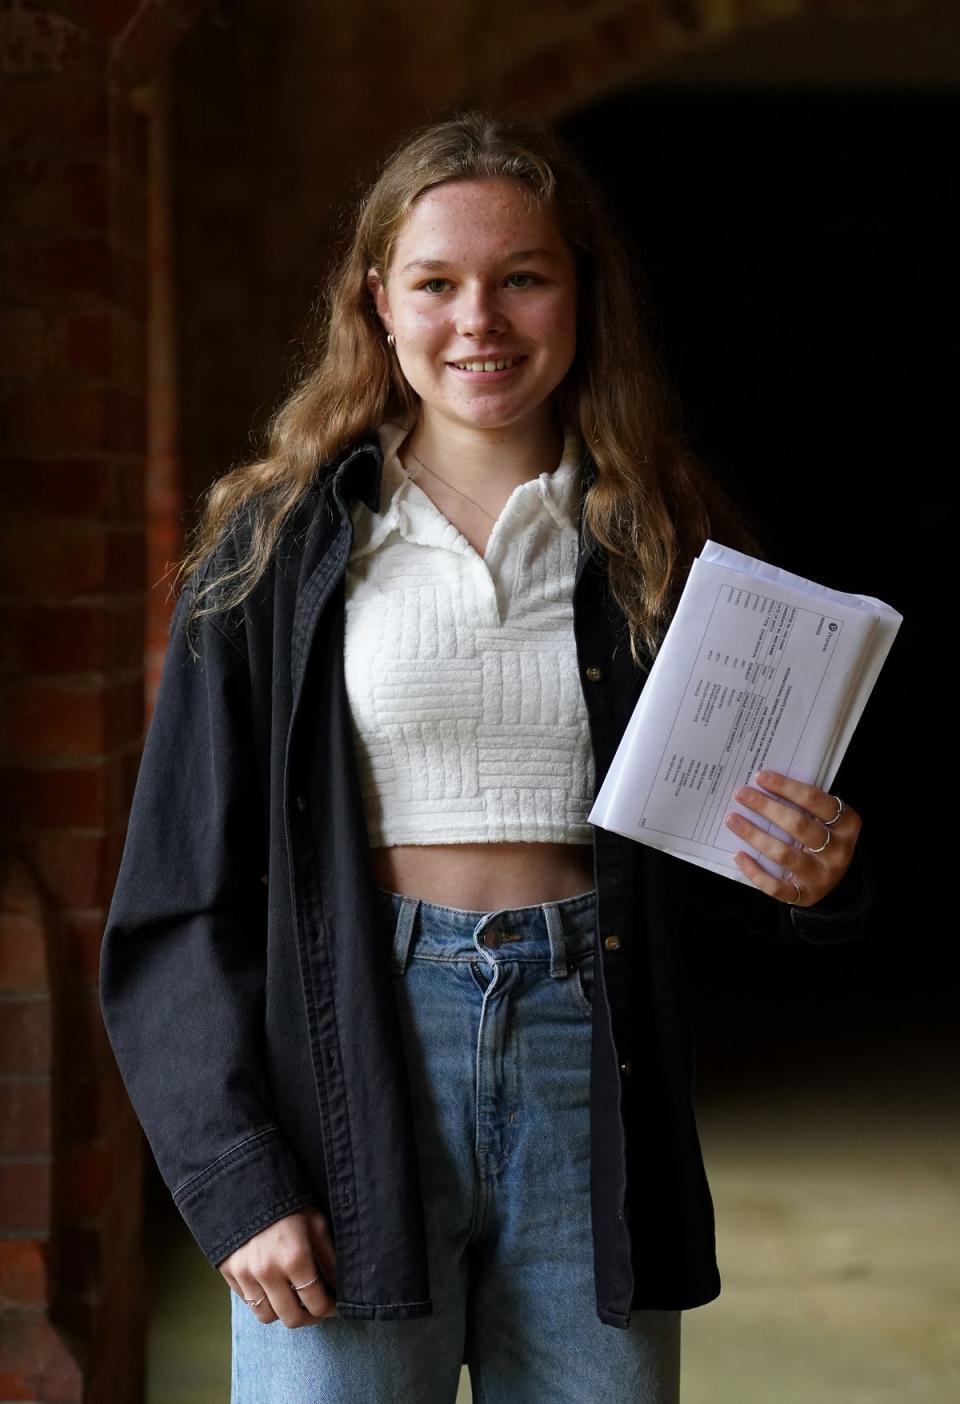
{"points": [[479, 313]]}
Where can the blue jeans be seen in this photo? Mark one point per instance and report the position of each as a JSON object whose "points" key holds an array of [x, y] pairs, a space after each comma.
{"points": [[495, 1010]]}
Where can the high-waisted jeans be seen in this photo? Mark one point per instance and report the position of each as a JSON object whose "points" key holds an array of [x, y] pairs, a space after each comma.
{"points": [[495, 1010]]}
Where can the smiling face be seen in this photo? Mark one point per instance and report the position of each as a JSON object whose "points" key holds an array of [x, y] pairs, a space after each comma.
{"points": [[481, 298]]}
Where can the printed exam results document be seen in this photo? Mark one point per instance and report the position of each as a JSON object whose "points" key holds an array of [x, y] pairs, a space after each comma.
{"points": [[758, 668]]}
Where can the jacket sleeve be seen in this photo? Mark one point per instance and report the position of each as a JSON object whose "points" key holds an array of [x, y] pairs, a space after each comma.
{"points": [[838, 917], [182, 964]]}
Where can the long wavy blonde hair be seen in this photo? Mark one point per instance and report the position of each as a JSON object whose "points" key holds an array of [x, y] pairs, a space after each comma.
{"points": [[651, 504]]}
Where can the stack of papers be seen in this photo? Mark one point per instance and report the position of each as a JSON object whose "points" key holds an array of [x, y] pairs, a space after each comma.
{"points": [[759, 669]]}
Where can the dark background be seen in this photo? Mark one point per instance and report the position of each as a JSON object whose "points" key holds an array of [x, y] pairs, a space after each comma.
{"points": [[800, 251]]}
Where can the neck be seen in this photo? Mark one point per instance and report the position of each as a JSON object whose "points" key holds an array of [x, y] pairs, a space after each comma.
{"points": [[488, 459]]}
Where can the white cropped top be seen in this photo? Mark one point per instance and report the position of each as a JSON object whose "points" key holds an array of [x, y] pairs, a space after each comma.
{"points": [[469, 721]]}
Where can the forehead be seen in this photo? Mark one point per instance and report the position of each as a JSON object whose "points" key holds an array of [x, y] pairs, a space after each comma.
{"points": [[464, 219]]}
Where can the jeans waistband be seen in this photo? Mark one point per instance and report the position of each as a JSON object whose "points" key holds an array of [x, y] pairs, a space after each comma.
{"points": [[558, 932]]}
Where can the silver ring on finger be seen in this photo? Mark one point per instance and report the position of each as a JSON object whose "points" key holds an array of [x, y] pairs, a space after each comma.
{"points": [[252, 1303], [792, 901], [829, 823], [827, 837], [305, 1284]]}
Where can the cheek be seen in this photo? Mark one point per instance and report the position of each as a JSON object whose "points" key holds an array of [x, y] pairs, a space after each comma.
{"points": [[423, 326]]}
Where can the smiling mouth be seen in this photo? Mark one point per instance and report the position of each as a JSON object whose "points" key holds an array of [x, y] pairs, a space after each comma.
{"points": [[501, 363]]}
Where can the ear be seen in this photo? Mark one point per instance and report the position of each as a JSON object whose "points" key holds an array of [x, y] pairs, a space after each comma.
{"points": [[379, 294]]}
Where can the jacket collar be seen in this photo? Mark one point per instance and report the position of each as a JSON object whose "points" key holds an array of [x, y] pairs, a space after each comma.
{"points": [[360, 469], [359, 472]]}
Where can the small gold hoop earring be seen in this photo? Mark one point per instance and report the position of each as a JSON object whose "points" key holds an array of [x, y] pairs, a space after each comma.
{"points": [[391, 341]]}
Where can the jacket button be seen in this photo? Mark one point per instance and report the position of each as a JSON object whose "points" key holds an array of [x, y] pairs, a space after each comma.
{"points": [[594, 674], [626, 1068], [612, 942], [301, 803]]}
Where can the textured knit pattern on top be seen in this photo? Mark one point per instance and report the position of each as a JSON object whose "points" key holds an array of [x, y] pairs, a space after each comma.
{"points": [[469, 721]]}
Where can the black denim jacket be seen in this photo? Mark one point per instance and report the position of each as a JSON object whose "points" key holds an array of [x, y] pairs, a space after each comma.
{"points": [[250, 1006]]}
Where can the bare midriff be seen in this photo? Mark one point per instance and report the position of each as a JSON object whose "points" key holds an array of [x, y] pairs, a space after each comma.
{"points": [[485, 877]]}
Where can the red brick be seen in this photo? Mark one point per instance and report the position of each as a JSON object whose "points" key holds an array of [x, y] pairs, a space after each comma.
{"points": [[130, 491], [128, 635], [129, 364], [70, 421], [58, 639], [88, 1181], [80, 1258], [25, 333], [25, 1116], [130, 283], [25, 1195], [53, 721], [90, 343], [24, 1272], [36, 1362], [110, 16], [57, 421], [60, 270], [41, 196], [95, 1105], [76, 870], [83, 938], [36, 560], [26, 1039], [23, 962], [35, 39], [69, 560], [54, 798], [54, 116], [68, 487], [84, 1034]]}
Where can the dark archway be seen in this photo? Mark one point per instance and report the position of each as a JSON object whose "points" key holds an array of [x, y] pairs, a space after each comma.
{"points": [[800, 249]]}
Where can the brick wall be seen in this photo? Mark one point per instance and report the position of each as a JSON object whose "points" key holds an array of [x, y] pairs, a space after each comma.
{"points": [[73, 309]]}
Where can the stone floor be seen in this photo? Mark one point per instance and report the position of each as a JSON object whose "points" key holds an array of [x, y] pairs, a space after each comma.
{"points": [[837, 1193]]}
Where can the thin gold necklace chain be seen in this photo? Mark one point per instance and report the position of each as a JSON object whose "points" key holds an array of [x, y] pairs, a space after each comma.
{"points": [[446, 484]]}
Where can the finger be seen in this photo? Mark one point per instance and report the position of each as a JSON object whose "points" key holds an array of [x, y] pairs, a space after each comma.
{"points": [[256, 1298], [768, 844], [298, 1290], [820, 803], [808, 832], [316, 1300], [782, 890], [285, 1304]]}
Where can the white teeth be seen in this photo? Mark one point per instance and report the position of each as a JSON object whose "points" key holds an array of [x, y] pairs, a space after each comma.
{"points": [[488, 365]]}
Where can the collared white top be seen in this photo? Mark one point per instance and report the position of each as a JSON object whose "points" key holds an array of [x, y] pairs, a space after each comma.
{"points": [[461, 670]]}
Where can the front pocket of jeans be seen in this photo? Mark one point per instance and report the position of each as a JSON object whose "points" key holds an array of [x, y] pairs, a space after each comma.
{"points": [[582, 977]]}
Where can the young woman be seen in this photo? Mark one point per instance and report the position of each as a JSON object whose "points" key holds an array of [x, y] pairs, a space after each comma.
{"points": [[406, 1033]]}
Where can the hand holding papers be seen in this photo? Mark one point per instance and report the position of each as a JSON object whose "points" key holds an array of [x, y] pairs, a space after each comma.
{"points": [[759, 669]]}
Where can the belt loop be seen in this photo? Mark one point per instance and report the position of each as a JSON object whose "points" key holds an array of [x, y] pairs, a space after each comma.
{"points": [[403, 934], [558, 947]]}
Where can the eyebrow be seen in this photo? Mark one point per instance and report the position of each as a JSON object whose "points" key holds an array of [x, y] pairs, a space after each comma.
{"points": [[518, 256]]}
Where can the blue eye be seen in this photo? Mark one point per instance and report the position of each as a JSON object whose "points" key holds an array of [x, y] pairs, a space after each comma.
{"points": [[429, 285]]}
